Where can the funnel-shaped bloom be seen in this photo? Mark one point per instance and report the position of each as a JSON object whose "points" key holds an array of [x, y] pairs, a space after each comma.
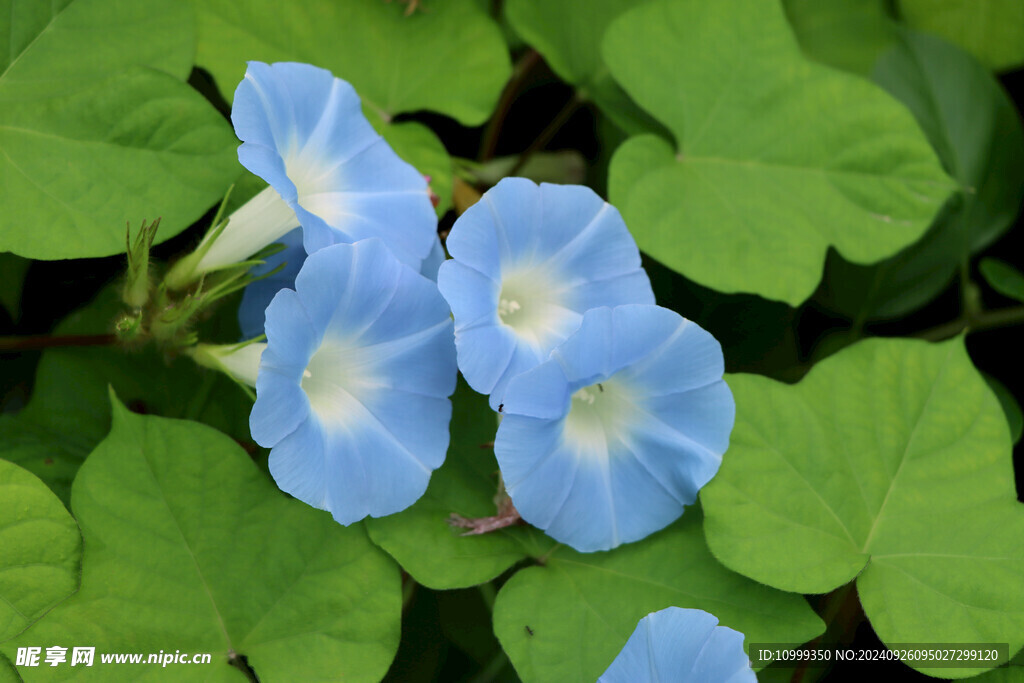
{"points": [[605, 442], [303, 131], [527, 263], [683, 646], [353, 385]]}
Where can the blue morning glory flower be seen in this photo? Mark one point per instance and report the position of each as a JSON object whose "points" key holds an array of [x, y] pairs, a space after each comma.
{"points": [[352, 392], [684, 646], [303, 131], [605, 442], [527, 263]]}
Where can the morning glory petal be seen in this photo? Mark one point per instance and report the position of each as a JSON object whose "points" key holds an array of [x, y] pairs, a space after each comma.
{"points": [[612, 340], [303, 131], [599, 250], [541, 391], [629, 288], [553, 252], [564, 208], [258, 295], [683, 645], [416, 305], [283, 408], [703, 414], [337, 299], [366, 345], [485, 353], [587, 513], [635, 439], [293, 468], [514, 211], [432, 263], [629, 477], [699, 362], [536, 477], [476, 243], [470, 292], [395, 467], [523, 358], [419, 424], [291, 335]]}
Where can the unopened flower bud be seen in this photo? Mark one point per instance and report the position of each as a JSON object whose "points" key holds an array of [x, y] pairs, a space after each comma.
{"points": [[136, 285]]}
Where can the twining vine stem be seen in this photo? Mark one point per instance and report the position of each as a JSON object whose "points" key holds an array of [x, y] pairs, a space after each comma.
{"points": [[545, 136], [520, 71]]}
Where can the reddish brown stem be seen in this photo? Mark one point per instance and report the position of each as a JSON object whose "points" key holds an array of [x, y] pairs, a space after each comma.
{"points": [[46, 341]]}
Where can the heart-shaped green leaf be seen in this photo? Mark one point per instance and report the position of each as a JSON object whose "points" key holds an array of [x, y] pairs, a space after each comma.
{"points": [[567, 619], [87, 144], [69, 412], [991, 30], [42, 550], [776, 157], [889, 464], [847, 34], [45, 42], [189, 546], [450, 58], [976, 129]]}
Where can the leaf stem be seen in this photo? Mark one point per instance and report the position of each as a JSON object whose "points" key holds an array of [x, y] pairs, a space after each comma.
{"points": [[545, 136], [985, 320], [46, 341], [522, 68]]}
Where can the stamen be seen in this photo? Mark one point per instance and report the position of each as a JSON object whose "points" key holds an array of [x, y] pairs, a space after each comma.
{"points": [[585, 396], [507, 307], [601, 413]]}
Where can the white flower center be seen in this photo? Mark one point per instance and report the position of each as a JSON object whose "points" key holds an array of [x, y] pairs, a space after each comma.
{"points": [[599, 416], [533, 303], [337, 379], [312, 178]]}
